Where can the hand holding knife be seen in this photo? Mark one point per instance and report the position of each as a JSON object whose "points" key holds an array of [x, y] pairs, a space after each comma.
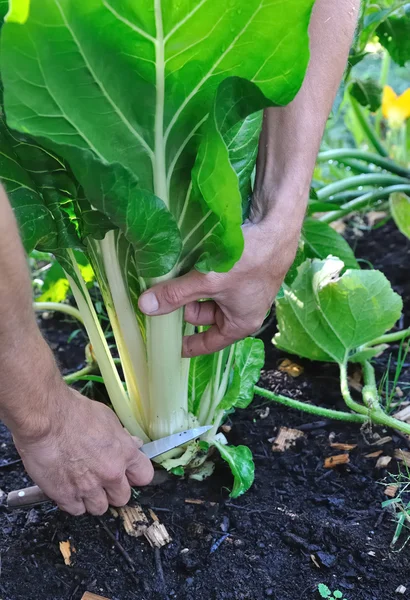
{"points": [[34, 495]]}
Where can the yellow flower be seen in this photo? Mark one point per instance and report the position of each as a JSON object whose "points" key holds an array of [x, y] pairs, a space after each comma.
{"points": [[396, 109]]}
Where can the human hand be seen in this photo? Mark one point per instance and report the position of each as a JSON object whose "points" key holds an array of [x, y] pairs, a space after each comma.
{"points": [[84, 460], [241, 297]]}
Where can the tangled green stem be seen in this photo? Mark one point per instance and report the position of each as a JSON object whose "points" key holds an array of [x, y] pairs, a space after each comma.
{"points": [[362, 201], [373, 179], [369, 157]]}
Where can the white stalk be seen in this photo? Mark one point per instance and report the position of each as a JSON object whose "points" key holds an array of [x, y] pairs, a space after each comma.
{"points": [[130, 344], [116, 392], [167, 375]]}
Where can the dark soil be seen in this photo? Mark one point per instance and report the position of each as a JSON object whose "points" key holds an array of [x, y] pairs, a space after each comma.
{"points": [[299, 525]]}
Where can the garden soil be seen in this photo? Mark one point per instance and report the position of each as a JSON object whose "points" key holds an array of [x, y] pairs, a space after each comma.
{"points": [[300, 525]]}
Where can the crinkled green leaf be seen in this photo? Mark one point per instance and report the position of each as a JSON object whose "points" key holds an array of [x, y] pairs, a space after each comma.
{"points": [[321, 240], [141, 216], [400, 210], [239, 459], [136, 84], [367, 92], [327, 316], [248, 361], [242, 143]]}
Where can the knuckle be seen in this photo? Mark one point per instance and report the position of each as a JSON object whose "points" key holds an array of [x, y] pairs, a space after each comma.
{"points": [[213, 283], [98, 508], [172, 294], [122, 498], [115, 476], [73, 509]]}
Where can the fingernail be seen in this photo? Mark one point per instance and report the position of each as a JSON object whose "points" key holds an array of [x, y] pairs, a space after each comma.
{"points": [[148, 303]]}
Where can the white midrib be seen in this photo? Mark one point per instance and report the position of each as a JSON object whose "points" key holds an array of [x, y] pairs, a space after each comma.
{"points": [[160, 173]]}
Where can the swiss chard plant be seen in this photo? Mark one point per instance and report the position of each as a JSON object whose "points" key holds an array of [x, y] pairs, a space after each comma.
{"points": [[130, 134]]}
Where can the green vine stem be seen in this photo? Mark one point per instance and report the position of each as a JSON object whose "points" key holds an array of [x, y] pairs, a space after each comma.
{"points": [[388, 338], [374, 412], [373, 179], [310, 408], [362, 202], [367, 128], [58, 307], [351, 153], [344, 387], [80, 374]]}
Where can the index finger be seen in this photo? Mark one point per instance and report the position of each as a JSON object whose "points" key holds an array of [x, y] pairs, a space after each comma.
{"points": [[211, 340]]}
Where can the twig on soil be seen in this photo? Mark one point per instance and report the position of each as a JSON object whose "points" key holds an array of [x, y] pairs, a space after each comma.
{"points": [[160, 572], [10, 463], [119, 547], [315, 425]]}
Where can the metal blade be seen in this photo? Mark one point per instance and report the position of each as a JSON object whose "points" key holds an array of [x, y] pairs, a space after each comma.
{"points": [[153, 449]]}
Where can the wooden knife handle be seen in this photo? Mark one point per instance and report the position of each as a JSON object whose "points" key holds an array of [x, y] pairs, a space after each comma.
{"points": [[26, 497]]}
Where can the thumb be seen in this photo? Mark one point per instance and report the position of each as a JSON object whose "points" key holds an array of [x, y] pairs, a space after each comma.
{"points": [[166, 297]]}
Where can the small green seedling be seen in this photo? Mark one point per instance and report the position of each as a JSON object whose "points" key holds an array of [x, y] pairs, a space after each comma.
{"points": [[329, 595]]}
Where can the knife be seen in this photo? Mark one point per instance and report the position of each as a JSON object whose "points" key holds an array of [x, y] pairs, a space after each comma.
{"points": [[34, 495]]}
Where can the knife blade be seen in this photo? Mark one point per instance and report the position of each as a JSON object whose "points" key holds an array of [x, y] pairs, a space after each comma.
{"points": [[34, 495]]}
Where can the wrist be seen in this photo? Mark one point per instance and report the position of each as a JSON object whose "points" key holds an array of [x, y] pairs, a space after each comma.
{"points": [[285, 209], [30, 388]]}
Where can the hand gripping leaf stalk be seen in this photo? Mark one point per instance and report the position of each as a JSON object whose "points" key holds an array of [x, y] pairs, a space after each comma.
{"points": [[144, 118]]}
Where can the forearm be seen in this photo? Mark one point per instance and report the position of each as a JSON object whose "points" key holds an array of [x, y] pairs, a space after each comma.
{"points": [[291, 135], [26, 362]]}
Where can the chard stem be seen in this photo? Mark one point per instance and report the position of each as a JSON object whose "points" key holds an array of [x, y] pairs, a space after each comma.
{"points": [[167, 375], [125, 326], [116, 392]]}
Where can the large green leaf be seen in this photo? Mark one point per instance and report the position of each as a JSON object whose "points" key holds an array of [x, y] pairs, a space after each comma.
{"points": [[394, 35], [321, 240], [145, 85], [40, 190], [34, 218], [325, 316], [400, 210], [373, 15], [239, 459]]}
